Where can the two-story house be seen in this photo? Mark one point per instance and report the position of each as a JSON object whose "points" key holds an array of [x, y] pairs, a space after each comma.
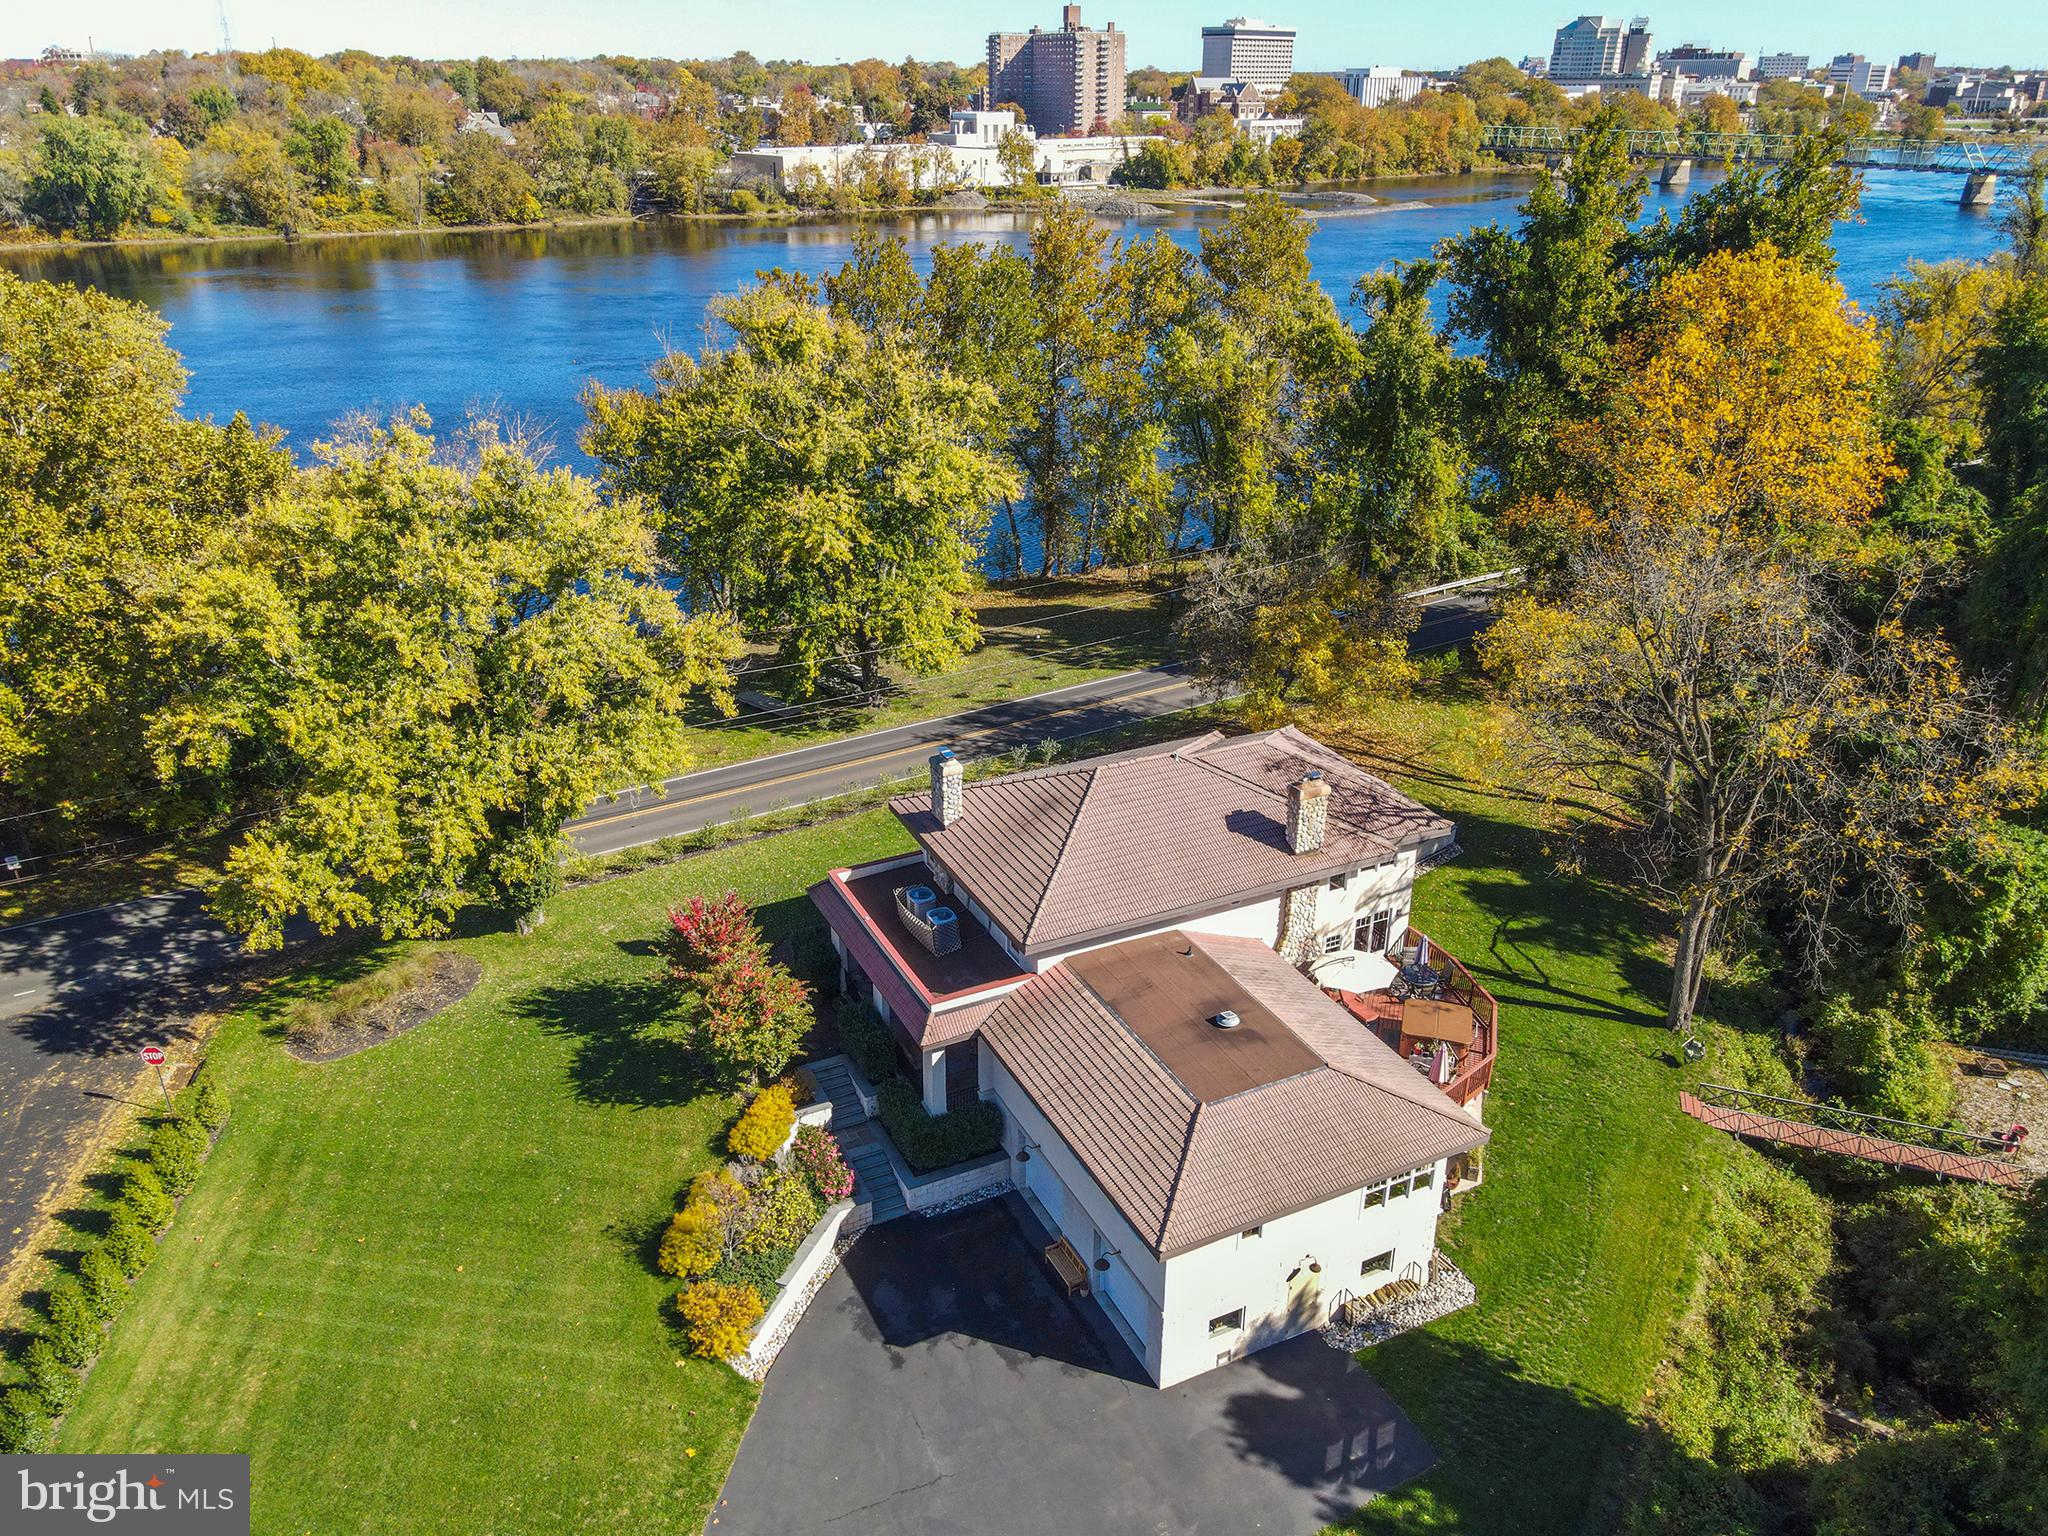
{"points": [[1175, 970]]}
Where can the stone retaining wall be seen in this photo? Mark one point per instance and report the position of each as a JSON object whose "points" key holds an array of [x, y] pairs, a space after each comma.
{"points": [[946, 1185], [815, 1259]]}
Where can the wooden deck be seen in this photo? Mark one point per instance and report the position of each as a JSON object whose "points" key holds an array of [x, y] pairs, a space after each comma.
{"points": [[1848, 1143]]}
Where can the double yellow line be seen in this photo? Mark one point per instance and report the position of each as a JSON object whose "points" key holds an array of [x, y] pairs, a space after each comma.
{"points": [[873, 757]]}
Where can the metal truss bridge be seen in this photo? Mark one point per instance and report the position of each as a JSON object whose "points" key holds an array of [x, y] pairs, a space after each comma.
{"points": [[1958, 156]]}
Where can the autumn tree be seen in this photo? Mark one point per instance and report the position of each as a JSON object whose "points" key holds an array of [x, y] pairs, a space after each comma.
{"points": [[1791, 206], [106, 493], [822, 487], [409, 670], [1752, 743], [85, 177], [1301, 633]]}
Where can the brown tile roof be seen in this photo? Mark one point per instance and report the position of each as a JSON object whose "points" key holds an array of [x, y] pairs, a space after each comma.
{"points": [[1185, 1169], [1066, 855]]}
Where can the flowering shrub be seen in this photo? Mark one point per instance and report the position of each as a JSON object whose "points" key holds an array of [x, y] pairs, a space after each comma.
{"points": [[817, 1157], [753, 1017], [693, 1243], [708, 932], [717, 1317], [759, 1132], [783, 1215]]}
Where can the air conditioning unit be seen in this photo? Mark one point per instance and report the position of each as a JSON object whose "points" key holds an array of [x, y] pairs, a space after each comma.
{"points": [[943, 931], [919, 899]]}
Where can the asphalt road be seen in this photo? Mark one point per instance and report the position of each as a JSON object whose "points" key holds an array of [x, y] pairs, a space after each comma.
{"points": [[858, 762], [80, 994]]}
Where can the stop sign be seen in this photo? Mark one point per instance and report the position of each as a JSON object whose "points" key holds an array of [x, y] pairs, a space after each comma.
{"points": [[153, 1054]]}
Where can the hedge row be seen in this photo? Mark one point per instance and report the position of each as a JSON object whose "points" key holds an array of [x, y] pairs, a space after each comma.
{"points": [[79, 1306], [928, 1141], [868, 1041]]}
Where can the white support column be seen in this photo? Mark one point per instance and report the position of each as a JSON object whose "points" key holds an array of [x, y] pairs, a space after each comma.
{"points": [[935, 1081]]}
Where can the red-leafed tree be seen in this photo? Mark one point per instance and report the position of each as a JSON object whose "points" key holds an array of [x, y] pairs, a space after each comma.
{"points": [[747, 1014]]}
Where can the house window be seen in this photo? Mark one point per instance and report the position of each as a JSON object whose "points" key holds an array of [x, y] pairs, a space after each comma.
{"points": [[1332, 942], [1252, 1231], [1424, 1177], [1229, 1322], [1375, 932], [1378, 1264], [1377, 1195]]}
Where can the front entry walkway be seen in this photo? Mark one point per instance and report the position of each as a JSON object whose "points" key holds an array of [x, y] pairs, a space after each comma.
{"points": [[943, 1382], [874, 1178]]}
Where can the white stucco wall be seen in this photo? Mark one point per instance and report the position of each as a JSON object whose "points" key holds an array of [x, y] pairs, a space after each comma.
{"points": [[1252, 1273], [1085, 1216], [1168, 1305]]}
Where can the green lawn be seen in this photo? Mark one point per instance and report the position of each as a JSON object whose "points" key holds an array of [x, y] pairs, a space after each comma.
{"points": [[1040, 636], [413, 1284], [1582, 1239]]}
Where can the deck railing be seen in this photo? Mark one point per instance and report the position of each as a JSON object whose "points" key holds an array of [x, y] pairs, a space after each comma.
{"points": [[1475, 1075]]}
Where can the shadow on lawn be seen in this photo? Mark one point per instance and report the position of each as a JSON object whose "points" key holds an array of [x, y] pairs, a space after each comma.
{"points": [[1514, 1454], [1535, 913], [625, 1050]]}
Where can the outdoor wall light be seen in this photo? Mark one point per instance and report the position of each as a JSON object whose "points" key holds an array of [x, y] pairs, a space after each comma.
{"points": [[1102, 1264], [1024, 1152]]}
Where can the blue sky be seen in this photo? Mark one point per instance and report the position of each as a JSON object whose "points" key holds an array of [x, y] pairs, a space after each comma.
{"points": [[1334, 33]]}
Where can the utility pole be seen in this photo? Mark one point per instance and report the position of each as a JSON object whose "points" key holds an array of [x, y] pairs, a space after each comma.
{"points": [[227, 41]]}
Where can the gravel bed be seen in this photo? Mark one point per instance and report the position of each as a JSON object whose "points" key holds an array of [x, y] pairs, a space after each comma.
{"points": [[961, 1203], [1447, 1293]]}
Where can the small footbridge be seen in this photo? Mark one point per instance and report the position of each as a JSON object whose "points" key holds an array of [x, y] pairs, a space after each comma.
{"points": [[1932, 1149]]}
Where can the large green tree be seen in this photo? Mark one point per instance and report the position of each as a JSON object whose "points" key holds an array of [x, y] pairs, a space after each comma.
{"points": [[85, 178], [105, 492], [410, 669], [1545, 303], [823, 486]]}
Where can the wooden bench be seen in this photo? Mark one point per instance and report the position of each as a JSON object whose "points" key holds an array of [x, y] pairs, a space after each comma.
{"points": [[1068, 1266]]}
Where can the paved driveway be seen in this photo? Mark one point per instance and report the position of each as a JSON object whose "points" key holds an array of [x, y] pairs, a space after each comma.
{"points": [[941, 1382]]}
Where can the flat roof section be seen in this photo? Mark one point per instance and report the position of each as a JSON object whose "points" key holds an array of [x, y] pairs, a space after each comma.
{"points": [[979, 961], [1166, 991]]}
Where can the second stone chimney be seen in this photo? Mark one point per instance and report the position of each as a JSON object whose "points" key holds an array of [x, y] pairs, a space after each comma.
{"points": [[1308, 812], [947, 799]]}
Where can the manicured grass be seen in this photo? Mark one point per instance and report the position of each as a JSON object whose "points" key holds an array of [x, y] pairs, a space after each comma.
{"points": [[1037, 637], [492, 1354], [414, 1285], [1582, 1239]]}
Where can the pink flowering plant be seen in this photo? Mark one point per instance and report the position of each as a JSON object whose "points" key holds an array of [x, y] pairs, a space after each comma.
{"points": [[816, 1156]]}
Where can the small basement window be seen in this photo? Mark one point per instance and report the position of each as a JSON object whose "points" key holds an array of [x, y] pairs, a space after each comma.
{"points": [[1379, 1263], [1229, 1322], [1332, 942]]}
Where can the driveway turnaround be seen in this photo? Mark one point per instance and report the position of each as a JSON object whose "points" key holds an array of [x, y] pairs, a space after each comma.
{"points": [[943, 1382]]}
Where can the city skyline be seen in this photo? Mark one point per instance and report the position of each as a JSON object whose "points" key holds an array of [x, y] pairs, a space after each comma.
{"points": [[1162, 33]]}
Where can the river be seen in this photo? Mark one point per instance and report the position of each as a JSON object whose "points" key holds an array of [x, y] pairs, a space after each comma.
{"points": [[516, 322]]}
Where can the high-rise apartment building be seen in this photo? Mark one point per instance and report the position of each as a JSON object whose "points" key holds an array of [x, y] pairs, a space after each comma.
{"points": [[1069, 81], [1783, 66], [1248, 49], [1919, 63], [1595, 47], [1859, 74]]}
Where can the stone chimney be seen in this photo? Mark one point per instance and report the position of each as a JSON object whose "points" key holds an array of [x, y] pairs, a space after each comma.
{"points": [[1308, 812], [947, 800]]}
